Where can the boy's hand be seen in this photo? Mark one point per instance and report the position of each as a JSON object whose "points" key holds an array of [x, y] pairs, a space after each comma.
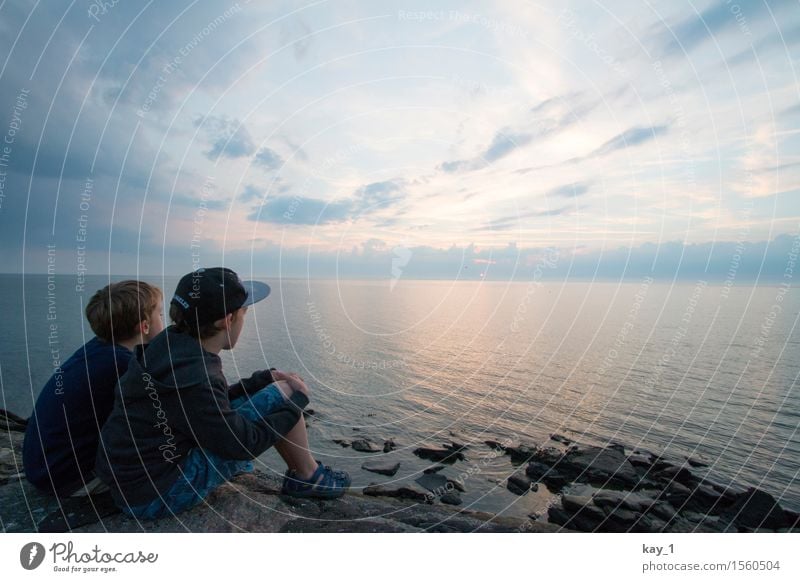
{"points": [[295, 382]]}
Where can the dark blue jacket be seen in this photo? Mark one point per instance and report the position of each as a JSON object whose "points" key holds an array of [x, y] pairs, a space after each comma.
{"points": [[64, 430]]}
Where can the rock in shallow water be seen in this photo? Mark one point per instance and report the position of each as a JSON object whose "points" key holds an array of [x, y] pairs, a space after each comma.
{"points": [[365, 446], [519, 484], [389, 468]]}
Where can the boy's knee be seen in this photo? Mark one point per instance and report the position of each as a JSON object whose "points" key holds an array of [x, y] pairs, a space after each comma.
{"points": [[284, 387]]}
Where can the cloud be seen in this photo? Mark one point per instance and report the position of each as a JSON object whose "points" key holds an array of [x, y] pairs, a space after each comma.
{"points": [[629, 138], [519, 220], [297, 210], [300, 210], [249, 194], [228, 137], [378, 195], [545, 119], [268, 158], [570, 190]]}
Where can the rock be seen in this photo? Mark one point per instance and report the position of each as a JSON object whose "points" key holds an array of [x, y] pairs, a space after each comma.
{"points": [[580, 521], [457, 485], [548, 455], [573, 503], [520, 454], [560, 439], [10, 422], [624, 499], [309, 412], [434, 469], [365, 446], [602, 465], [550, 477], [623, 516], [757, 509], [343, 442], [9, 466], [251, 502], [389, 445], [433, 482], [408, 492], [439, 455], [679, 489], [638, 460], [384, 467], [496, 445], [674, 473], [695, 462], [664, 510], [519, 484], [451, 498]]}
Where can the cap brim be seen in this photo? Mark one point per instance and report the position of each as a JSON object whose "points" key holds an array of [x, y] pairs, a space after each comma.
{"points": [[256, 291]]}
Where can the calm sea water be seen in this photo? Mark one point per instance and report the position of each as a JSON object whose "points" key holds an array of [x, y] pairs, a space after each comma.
{"points": [[689, 369]]}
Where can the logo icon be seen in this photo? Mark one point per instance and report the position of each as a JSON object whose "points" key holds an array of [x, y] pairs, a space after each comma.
{"points": [[402, 255], [31, 555]]}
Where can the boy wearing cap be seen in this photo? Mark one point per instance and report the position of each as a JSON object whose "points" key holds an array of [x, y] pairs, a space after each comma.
{"points": [[178, 431]]}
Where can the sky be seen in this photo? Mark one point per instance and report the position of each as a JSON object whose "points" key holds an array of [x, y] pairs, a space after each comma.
{"points": [[453, 140]]}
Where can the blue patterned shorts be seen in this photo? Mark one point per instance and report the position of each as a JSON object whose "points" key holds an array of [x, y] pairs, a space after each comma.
{"points": [[203, 471]]}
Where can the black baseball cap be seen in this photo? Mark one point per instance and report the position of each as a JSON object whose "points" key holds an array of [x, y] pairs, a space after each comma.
{"points": [[206, 295]]}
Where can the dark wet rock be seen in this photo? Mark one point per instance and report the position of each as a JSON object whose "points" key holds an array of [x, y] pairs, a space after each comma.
{"points": [[638, 460], [409, 492], [519, 484], [365, 446], [451, 498], [586, 520], [619, 447], [434, 469], [548, 455], [521, 453], [757, 509], [634, 501], [623, 516], [573, 503], [496, 445], [601, 465], [389, 445], [560, 438], [696, 462], [456, 484], [343, 442], [12, 422], [434, 482], [554, 480], [674, 473], [440, 455], [382, 467], [664, 511]]}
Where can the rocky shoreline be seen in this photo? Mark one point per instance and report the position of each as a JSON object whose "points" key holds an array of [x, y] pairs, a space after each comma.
{"points": [[598, 489]]}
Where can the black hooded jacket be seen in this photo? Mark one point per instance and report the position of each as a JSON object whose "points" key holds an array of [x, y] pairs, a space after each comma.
{"points": [[173, 398]]}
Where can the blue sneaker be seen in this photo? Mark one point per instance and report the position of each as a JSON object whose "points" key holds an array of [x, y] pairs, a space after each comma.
{"points": [[325, 483]]}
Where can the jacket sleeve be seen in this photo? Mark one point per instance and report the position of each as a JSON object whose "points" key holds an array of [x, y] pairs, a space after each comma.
{"points": [[251, 385], [223, 431]]}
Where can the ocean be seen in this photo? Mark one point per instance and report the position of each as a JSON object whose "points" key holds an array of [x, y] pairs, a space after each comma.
{"points": [[690, 369]]}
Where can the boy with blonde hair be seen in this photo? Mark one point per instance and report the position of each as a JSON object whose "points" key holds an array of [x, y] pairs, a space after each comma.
{"points": [[61, 439]]}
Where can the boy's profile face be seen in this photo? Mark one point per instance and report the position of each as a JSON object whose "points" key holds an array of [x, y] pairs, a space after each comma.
{"points": [[154, 324], [235, 327]]}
